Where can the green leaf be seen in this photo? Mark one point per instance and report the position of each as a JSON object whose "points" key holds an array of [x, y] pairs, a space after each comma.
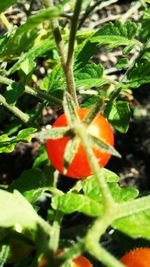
{"points": [[138, 75], [91, 189], [5, 146], [32, 54], [32, 184], [27, 66], [89, 185], [15, 42], [121, 194], [39, 160], [6, 4], [118, 114], [136, 226], [17, 211], [14, 92], [52, 133], [72, 202], [55, 80], [122, 63], [90, 76], [103, 146], [145, 29], [111, 34], [8, 144], [70, 151], [116, 34]]}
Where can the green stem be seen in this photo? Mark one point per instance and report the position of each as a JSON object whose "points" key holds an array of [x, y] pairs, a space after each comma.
{"points": [[74, 23], [5, 21], [66, 61], [16, 111], [105, 257], [87, 13], [35, 92], [42, 95], [70, 56], [55, 234], [96, 170]]}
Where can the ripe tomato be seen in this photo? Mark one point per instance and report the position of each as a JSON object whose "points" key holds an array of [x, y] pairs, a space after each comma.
{"points": [[139, 257], [80, 167]]}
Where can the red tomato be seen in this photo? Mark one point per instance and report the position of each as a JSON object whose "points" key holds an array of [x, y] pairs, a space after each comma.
{"points": [[139, 257], [80, 167]]}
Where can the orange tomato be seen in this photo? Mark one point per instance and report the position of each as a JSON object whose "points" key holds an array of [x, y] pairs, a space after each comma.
{"points": [[139, 257]]}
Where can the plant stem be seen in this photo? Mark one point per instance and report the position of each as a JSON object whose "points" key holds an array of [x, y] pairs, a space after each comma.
{"points": [[42, 95], [66, 61], [70, 56], [16, 111], [5, 21], [74, 23], [54, 240], [91, 240], [105, 257], [131, 207]]}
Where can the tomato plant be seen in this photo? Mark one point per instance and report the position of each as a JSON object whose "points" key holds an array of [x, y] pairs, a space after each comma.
{"points": [[89, 61], [80, 167], [139, 257]]}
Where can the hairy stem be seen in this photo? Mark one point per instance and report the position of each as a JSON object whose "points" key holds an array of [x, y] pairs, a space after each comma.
{"points": [[16, 111], [66, 60], [35, 92]]}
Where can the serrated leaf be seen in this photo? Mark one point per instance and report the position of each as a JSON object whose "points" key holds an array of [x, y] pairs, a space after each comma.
{"points": [[112, 34], [32, 183], [90, 187], [103, 146], [17, 211], [16, 42], [52, 133], [92, 190], [6, 4], [72, 202], [32, 54], [13, 92], [138, 75], [122, 63], [55, 80], [70, 109], [8, 144], [135, 226], [70, 151], [118, 114], [121, 194], [116, 34], [145, 29], [90, 76]]}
